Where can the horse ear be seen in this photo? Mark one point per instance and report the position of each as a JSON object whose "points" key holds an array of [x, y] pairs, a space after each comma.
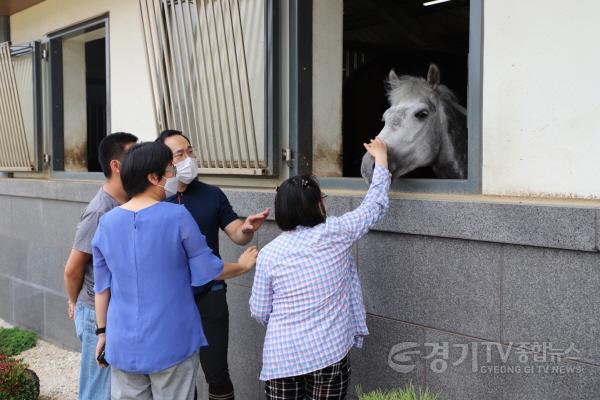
{"points": [[392, 79], [391, 83], [433, 76]]}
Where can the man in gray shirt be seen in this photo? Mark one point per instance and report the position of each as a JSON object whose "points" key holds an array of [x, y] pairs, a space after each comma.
{"points": [[94, 382]]}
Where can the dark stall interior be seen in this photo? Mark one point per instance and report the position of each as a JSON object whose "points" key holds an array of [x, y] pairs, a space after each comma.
{"points": [[95, 71], [404, 35]]}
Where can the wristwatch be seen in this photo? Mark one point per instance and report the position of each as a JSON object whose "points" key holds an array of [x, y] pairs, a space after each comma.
{"points": [[100, 330]]}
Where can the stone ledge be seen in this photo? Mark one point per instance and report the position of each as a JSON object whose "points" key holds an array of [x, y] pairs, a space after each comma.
{"points": [[66, 190], [541, 225], [568, 226]]}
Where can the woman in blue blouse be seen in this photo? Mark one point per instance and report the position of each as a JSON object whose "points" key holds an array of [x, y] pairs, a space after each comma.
{"points": [[306, 288], [147, 255]]}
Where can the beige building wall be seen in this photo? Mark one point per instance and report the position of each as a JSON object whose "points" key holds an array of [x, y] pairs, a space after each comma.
{"points": [[541, 101], [541, 133], [130, 100]]}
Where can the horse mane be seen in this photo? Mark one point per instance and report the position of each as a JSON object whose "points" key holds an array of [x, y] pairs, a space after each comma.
{"points": [[450, 98]]}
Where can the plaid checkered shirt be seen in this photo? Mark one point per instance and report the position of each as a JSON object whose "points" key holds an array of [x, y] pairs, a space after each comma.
{"points": [[307, 292]]}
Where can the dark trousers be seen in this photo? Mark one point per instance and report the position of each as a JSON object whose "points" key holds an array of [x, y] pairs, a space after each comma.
{"points": [[213, 359], [329, 383]]}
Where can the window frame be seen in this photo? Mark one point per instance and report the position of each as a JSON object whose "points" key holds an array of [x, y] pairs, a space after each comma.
{"points": [[56, 92], [34, 47], [301, 67], [272, 104], [272, 87]]}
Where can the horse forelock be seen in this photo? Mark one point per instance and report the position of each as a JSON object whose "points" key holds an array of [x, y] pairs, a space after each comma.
{"points": [[407, 88]]}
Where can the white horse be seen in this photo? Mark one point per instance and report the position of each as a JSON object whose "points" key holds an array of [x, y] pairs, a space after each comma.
{"points": [[424, 126]]}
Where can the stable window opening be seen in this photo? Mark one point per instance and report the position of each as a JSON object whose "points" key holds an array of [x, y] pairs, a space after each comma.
{"points": [[408, 71], [79, 86]]}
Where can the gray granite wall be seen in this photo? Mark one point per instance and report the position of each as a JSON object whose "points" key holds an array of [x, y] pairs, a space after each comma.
{"points": [[500, 287]]}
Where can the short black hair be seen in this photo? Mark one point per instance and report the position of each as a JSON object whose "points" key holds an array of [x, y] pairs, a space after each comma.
{"points": [[167, 133], [297, 203], [141, 160], [112, 147]]}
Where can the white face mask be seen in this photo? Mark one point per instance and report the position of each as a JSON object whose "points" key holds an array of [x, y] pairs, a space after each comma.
{"points": [[171, 186], [187, 170]]}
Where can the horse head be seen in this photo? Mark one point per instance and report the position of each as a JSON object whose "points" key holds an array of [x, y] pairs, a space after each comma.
{"points": [[424, 126]]}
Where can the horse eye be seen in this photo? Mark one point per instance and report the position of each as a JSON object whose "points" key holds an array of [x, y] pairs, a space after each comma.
{"points": [[422, 114]]}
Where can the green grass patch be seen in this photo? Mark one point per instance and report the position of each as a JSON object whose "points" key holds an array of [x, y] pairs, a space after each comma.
{"points": [[13, 341], [408, 393]]}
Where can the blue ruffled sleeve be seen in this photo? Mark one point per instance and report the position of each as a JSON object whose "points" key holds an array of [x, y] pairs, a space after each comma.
{"points": [[102, 275], [204, 265]]}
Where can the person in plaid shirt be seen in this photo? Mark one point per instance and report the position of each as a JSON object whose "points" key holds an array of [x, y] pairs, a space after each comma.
{"points": [[306, 288]]}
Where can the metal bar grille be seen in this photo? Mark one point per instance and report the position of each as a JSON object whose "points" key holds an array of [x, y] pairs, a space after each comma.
{"points": [[14, 153], [199, 75]]}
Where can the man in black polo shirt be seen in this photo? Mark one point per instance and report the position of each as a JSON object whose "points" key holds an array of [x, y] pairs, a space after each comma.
{"points": [[211, 210]]}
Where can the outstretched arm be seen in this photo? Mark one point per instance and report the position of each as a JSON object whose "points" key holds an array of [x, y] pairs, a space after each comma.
{"points": [[241, 232], [245, 263], [204, 264], [356, 223]]}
